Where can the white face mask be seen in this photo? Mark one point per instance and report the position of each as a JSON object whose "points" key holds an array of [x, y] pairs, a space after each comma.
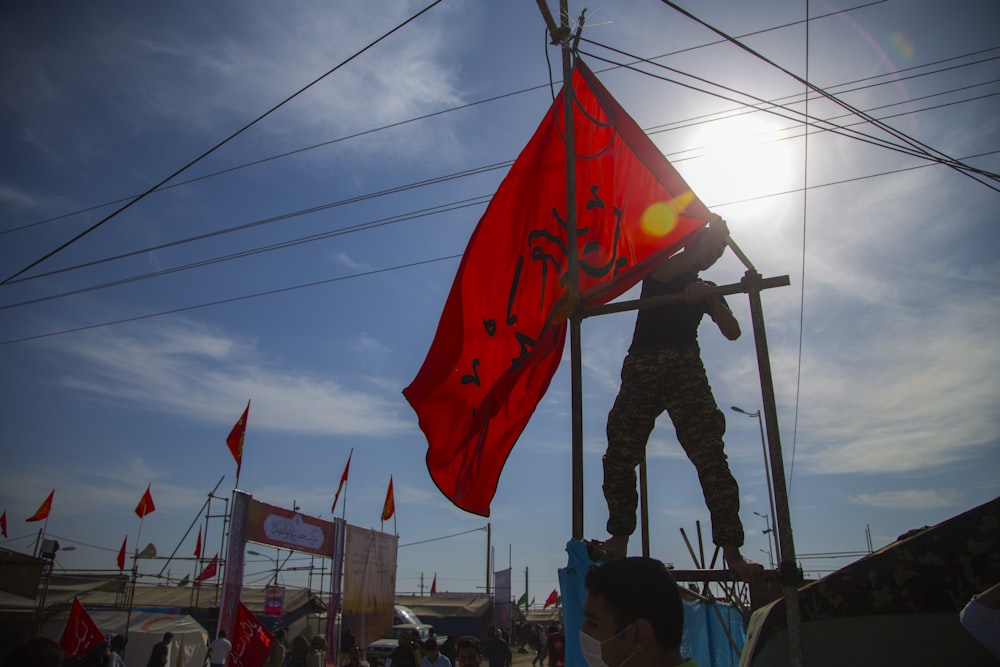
{"points": [[591, 648]]}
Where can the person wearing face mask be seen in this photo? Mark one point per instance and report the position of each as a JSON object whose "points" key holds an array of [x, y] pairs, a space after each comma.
{"points": [[633, 616]]}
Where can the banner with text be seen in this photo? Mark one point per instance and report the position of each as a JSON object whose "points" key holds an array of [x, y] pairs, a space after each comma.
{"points": [[369, 582]]}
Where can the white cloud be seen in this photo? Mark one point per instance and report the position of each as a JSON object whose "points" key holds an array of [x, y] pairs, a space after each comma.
{"points": [[916, 499], [179, 367]]}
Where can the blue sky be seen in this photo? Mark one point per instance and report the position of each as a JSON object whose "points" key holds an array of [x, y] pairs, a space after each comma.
{"points": [[883, 348]]}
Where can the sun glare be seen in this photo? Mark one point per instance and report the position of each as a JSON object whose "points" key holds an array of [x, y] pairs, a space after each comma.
{"points": [[741, 158]]}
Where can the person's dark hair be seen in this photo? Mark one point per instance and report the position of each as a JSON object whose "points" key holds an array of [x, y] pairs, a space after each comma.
{"points": [[36, 652], [118, 643], [468, 641], [640, 588], [431, 644], [167, 636]]}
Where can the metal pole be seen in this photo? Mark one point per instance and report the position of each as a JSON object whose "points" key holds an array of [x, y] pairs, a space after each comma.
{"points": [[790, 577]]}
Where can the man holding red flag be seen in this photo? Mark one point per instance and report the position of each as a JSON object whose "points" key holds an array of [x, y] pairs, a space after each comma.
{"points": [[664, 371]]}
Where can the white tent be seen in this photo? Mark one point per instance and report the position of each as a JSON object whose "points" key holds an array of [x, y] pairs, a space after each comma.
{"points": [[187, 648]]}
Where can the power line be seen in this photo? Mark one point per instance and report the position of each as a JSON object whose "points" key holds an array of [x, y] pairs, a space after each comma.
{"points": [[220, 144]]}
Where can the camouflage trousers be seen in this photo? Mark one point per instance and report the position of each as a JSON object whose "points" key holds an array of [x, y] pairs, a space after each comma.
{"points": [[673, 380]]}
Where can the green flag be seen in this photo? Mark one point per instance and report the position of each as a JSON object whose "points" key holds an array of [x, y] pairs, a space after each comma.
{"points": [[523, 600], [184, 582]]}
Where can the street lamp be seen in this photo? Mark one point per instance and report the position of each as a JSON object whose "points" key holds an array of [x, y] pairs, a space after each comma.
{"points": [[767, 469], [273, 560], [768, 531]]}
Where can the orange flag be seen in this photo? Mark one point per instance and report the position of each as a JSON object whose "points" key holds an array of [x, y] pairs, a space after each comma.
{"points": [[235, 439], [501, 334], [121, 554], [210, 570], [145, 505], [197, 547], [81, 633], [343, 480], [390, 503], [43, 511]]}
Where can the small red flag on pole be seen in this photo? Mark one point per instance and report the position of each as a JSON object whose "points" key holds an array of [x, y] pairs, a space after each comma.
{"points": [[235, 439], [3, 523], [210, 570], [43, 511], [197, 547], [145, 505], [389, 508], [434, 584], [81, 633], [121, 554], [552, 599], [343, 480]]}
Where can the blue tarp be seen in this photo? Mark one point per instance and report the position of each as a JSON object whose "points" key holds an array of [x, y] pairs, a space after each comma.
{"points": [[705, 623]]}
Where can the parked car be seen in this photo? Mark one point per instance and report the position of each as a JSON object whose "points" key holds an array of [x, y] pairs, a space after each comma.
{"points": [[380, 650]]}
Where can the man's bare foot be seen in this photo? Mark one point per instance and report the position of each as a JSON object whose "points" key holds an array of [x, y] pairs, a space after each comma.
{"points": [[743, 568], [613, 548]]}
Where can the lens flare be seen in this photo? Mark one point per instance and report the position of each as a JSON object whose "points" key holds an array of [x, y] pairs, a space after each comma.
{"points": [[661, 217]]}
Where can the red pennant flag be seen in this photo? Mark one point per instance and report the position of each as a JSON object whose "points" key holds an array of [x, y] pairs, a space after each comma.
{"points": [[552, 599], [343, 480], [434, 584], [81, 633], [210, 570], [121, 554], [145, 505], [251, 640], [43, 511], [389, 507], [501, 334], [197, 547], [235, 439], [3, 523]]}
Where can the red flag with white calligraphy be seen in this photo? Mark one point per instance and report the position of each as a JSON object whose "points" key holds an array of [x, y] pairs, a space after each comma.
{"points": [[501, 334], [251, 640], [81, 633]]}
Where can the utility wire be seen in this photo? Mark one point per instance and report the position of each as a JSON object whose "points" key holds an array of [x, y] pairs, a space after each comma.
{"points": [[675, 157], [887, 128], [407, 266], [220, 144], [424, 117]]}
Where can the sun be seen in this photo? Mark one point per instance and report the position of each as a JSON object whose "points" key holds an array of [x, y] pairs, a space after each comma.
{"points": [[742, 158]]}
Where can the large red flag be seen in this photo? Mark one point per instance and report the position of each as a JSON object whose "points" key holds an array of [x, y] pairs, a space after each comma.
{"points": [[251, 640], [552, 599], [43, 511], [235, 439], [210, 570], [501, 334], [3, 523], [343, 480], [145, 505], [121, 554], [197, 547], [390, 503], [81, 633]]}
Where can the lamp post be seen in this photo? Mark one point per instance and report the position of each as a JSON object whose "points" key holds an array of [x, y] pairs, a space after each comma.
{"points": [[270, 558], [767, 472], [769, 532]]}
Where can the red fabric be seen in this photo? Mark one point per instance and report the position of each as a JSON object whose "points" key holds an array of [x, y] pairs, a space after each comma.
{"points": [[389, 507], [235, 439], [210, 570], [81, 633], [251, 640], [552, 599], [121, 555], [43, 511], [434, 584], [3, 523], [197, 547], [145, 505], [501, 334], [343, 480]]}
